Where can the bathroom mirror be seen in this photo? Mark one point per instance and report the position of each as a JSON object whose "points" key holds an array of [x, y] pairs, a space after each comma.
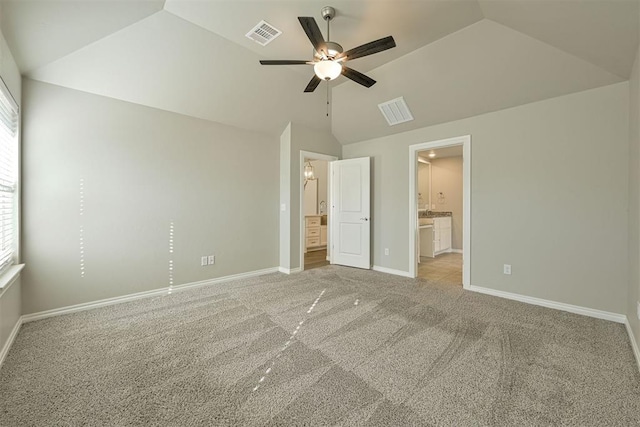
{"points": [[424, 184]]}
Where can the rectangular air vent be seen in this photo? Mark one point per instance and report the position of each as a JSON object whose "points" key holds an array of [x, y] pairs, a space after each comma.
{"points": [[395, 111], [263, 33]]}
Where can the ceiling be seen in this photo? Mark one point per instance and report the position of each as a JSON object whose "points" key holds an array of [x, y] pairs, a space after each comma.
{"points": [[454, 58], [442, 153]]}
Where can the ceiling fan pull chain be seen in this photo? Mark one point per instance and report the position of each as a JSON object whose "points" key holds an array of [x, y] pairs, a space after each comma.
{"points": [[327, 98]]}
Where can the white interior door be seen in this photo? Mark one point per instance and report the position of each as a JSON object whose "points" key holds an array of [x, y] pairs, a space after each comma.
{"points": [[350, 226]]}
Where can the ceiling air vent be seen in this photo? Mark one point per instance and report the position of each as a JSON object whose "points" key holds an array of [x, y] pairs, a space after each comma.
{"points": [[263, 33], [395, 111]]}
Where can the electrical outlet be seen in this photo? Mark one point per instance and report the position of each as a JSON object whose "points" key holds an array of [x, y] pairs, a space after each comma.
{"points": [[203, 261], [638, 310], [507, 269], [212, 259], [386, 251]]}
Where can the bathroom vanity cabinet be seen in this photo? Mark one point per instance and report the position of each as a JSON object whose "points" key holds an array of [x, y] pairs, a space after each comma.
{"points": [[441, 235]]}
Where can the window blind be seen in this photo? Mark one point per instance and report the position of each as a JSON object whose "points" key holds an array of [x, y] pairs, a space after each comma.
{"points": [[8, 176]]}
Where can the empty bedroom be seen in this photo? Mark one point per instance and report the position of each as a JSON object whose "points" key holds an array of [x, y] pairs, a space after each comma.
{"points": [[215, 213]]}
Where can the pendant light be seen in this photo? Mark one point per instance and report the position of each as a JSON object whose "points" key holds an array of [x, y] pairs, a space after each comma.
{"points": [[308, 171]]}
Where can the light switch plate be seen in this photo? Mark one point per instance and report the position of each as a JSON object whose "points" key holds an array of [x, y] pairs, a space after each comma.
{"points": [[212, 259], [638, 310], [507, 269], [203, 261]]}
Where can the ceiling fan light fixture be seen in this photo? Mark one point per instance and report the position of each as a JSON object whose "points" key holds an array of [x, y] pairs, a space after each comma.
{"points": [[327, 69]]}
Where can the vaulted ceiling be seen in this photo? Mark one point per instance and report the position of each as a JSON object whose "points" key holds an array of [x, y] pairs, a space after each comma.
{"points": [[454, 58]]}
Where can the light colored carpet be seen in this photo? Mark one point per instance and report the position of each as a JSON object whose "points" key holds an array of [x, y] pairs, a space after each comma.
{"points": [[329, 346]]}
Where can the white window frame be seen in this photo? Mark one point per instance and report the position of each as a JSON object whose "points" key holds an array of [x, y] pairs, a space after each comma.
{"points": [[9, 105]]}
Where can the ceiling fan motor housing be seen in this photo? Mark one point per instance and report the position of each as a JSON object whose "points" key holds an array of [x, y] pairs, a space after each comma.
{"points": [[333, 49]]}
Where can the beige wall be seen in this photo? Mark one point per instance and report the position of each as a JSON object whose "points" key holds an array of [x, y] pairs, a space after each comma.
{"points": [[10, 311], [142, 168], [295, 139], [10, 298], [285, 198], [544, 198], [633, 292], [320, 170], [423, 186], [446, 176]]}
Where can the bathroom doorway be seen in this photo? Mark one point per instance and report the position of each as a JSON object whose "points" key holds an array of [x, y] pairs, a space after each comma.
{"points": [[440, 210], [440, 215]]}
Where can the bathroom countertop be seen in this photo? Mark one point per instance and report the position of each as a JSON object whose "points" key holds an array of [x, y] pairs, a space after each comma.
{"points": [[432, 214]]}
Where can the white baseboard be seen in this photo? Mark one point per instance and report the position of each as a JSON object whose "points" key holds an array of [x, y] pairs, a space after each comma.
{"points": [[289, 270], [147, 294], [634, 343], [392, 271], [456, 251], [598, 314], [224, 279], [12, 336]]}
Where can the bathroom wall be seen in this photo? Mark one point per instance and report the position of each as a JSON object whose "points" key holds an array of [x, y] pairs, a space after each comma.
{"points": [[320, 170], [446, 176], [423, 186]]}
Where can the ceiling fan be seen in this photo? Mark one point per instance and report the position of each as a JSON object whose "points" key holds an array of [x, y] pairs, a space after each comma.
{"points": [[329, 56]]}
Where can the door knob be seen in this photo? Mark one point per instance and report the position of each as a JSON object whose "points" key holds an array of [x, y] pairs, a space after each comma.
{"points": [[364, 219]]}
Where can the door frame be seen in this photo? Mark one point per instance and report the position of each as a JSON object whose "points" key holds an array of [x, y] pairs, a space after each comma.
{"points": [[313, 156], [465, 141]]}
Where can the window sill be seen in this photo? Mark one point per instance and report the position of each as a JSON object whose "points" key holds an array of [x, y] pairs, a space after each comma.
{"points": [[9, 276]]}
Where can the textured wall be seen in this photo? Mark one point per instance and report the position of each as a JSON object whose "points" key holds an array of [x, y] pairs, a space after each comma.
{"points": [[297, 138], [633, 294], [132, 171], [10, 305], [549, 191]]}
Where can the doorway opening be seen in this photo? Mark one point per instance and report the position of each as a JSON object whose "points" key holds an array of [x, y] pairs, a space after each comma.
{"points": [[314, 209], [439, 210]]}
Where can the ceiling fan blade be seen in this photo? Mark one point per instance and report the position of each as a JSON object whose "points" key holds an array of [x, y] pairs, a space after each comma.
{"points": [[357, 77], [312, 30], [313, 84], [369, 48], [283, 62]]}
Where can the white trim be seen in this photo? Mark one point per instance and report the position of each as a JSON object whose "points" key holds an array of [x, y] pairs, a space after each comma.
{"points": [[225, 279], [140, 295], [9, 277], [392, 271], [313, 156], [289, 270], [634, 343], [576, 309], [10, 340], [465, 141], [456, 251]]}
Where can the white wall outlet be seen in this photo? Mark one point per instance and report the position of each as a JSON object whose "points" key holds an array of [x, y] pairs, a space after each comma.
{"points": [[212, 259], [638, 310], [507, 269], [203, 261], [386, 251]]}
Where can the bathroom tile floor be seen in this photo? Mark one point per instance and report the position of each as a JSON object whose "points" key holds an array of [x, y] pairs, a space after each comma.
{"points": [[445, 268], [315, 259]]}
